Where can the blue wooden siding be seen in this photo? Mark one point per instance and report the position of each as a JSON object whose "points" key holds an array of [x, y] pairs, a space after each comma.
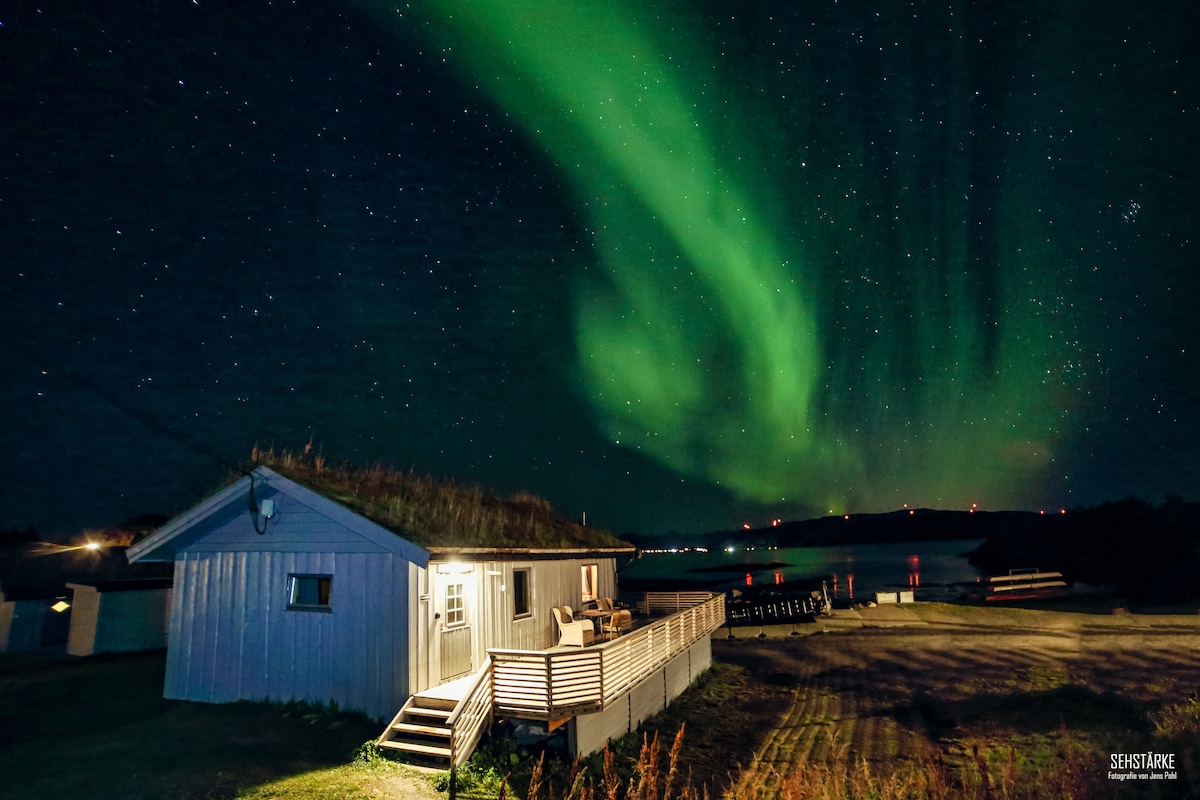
{"points": [[232, 636]]}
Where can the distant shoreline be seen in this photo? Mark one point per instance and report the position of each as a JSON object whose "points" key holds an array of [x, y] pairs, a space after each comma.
{"points": [[755, 566]]}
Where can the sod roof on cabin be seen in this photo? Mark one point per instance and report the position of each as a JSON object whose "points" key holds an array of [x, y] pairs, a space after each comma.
{"points": [[437, 513]]}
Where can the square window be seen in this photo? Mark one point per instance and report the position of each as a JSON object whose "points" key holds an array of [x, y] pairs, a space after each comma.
{"points": [[522, 602], [310, 592]]}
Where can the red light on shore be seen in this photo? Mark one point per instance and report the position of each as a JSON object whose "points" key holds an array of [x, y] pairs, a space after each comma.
{"points": [[745, 526]]}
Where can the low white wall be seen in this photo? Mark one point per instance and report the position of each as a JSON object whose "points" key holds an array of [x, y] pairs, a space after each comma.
{"points": [[85, 614], [590, 732]]}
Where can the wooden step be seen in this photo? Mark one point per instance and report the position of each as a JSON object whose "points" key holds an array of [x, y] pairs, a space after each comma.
{"points": [[428, 701], [421, 749], [421, 730], [435, 713]]}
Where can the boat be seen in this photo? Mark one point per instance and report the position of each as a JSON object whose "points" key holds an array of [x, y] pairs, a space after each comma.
{"points": [[1025, 584]]}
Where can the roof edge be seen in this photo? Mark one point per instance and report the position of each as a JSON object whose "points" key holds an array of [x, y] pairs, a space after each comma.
{"points": [[537, 552]]}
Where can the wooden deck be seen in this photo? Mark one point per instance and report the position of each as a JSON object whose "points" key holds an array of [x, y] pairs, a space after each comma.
{"points": [[565, 682], [445, 722], [454, 690]]}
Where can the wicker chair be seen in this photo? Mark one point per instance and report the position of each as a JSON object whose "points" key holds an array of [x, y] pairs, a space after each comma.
{"points": [[579, 633]]}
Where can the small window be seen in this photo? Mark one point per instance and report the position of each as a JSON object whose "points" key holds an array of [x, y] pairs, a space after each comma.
{"points": [[309, 592], [589, 581], [454, 604], [522, 605]]}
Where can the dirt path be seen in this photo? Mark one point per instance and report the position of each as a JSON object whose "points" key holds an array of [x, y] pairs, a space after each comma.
{"points": [[893, 685]]}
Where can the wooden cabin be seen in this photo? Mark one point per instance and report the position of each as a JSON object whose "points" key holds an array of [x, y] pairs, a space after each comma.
{"points": [[118, 616], [289, 591]]}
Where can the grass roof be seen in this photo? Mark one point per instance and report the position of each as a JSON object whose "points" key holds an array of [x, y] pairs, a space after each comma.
{"points": [[437, 513]]}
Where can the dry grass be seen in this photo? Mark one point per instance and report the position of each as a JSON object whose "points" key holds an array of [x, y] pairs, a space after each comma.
{"points": [[433, 512], [979, 704]]}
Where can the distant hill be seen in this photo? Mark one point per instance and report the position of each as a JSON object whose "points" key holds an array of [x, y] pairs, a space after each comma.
{"points": [[1150, 554], [910, 525]]}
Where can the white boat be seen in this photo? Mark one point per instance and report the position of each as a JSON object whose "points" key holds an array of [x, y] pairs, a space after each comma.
{"points": [[1025, 584]]}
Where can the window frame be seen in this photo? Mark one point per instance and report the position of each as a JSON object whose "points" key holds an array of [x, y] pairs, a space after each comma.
{"points": [[522, 575], [593, 571], [459, 608], [322, 581]]}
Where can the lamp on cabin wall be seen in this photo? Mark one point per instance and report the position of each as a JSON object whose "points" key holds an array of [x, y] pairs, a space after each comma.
{"points": [[264, 510], [494, 572]]}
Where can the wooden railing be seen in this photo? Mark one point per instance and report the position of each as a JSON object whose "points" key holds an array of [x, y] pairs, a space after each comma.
{"points": [[659, 602], [471, 716], [532, 682], [537, 684]]}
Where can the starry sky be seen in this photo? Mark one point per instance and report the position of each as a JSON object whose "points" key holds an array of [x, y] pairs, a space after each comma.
{"points": [[673, 265]]}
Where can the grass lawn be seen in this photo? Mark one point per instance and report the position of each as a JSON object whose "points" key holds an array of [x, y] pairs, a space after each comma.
{"points": [[984, 703], [99, 728]]}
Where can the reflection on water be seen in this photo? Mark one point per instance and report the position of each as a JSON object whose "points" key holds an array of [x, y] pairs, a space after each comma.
{"points": [[933, 570]]}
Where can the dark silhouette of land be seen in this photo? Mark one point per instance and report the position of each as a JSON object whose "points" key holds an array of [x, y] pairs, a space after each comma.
{"points": [[1148, 554]]}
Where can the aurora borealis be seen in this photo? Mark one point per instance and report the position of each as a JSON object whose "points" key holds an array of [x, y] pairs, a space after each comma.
{"points": [[699, 343], [666, 263]]}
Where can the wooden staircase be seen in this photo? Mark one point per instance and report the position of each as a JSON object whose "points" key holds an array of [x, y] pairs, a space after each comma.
{"points": [[441, 727], [422, 728]]}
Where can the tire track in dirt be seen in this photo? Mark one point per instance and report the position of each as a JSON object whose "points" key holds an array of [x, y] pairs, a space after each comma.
{"points": [[885, 696]]}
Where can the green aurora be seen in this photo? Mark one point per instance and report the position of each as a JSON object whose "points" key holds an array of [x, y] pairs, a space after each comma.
{"points": [[842, 299]]}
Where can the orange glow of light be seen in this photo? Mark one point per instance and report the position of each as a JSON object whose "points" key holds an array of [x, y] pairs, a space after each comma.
{"points": [[846, 517], [745, 526], [850, 580], [911, 512], [749, 579]]}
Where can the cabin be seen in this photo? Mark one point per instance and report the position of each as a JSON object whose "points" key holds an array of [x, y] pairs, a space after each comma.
{"points": [[118, 616], [344, 587]]}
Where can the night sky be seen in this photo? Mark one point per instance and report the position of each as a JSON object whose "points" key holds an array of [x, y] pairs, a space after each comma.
{"points": [[676, 265]]}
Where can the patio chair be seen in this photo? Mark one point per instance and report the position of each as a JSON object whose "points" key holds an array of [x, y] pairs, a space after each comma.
{"points": [[620, 622], [579, 633], [604, 603]]}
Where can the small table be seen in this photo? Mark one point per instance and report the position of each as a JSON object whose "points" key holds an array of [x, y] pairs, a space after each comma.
{"points": [[597, 616]]}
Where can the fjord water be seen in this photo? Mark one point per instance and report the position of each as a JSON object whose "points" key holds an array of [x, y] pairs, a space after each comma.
{"points": [[935, 570]]}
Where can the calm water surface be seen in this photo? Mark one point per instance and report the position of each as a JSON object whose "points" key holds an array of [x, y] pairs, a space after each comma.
{"points": [[934, 570]]}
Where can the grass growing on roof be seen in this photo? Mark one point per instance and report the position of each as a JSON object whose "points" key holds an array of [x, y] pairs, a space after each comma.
{"points": [[435, 512]]}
